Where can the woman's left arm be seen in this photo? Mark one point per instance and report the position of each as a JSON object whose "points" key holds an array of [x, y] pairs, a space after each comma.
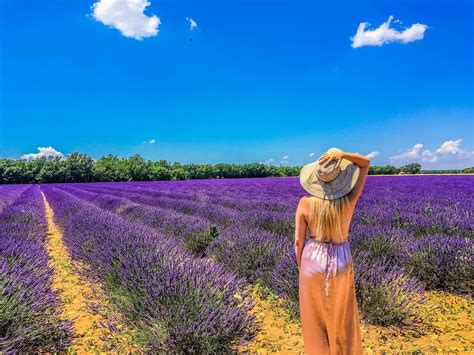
{"points": [[300, 231]]}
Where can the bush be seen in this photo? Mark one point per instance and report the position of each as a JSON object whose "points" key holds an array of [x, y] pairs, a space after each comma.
{"points": [[442, 262], [390, 247], [385, 294], [199, 242], [250, 253], [284, 280]]}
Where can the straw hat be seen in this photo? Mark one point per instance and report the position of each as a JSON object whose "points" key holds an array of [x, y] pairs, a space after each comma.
{"points": [[328, 182]]}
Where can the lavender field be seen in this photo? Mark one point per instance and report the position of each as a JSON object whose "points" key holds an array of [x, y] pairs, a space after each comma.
{"points": [[177, 261]]}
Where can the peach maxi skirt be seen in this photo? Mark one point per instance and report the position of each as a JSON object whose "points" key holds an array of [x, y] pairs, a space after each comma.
{"points": [[328, 305]]}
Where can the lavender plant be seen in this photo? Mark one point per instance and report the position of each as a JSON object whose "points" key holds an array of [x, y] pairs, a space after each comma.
{"points": [[29, 308], [404, 228], [177, 302]]}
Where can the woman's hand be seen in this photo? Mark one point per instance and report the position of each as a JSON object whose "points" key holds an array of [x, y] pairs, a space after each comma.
{"points": [[330, 155]]}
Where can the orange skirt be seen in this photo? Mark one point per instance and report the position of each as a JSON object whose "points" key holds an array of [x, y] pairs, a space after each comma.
{"points": [[328, 304]]}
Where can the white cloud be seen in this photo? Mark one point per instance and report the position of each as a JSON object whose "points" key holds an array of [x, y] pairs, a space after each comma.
{"points": [[269, 161], [448, 149], [127, 16], [43, 152], [385, 34], [373, 154], [412, 153], [429, 157], [192, 23], [312, 154], [151, 141], [284, 160]]}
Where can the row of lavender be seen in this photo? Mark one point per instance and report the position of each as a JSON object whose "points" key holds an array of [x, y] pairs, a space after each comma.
{"points": [[175, 301], [404, 228], [29, 308], [255, 253], [9, 194], [216, 232]]}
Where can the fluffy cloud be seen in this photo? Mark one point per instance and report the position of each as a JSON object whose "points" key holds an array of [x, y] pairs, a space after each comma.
{"points": [[449, 149], [151, 141], [373, 154], [192, 24], [412, 153], [385, 34], [312, 154], [284, 160], [127, 16], [43, 152], [269, 161]]}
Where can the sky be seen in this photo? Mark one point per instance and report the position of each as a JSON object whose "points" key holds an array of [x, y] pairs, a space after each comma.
{"points": [[239, 81]]}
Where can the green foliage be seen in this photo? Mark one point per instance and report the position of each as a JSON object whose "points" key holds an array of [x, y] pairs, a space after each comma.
{"points": [[199, 242], [412, 168], [383, 170], [379, 307], [450, 171], [78, 167]]}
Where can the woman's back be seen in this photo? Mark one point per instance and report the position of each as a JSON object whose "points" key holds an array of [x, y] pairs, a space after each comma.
{"points": [[329, 220], [328, 305]]}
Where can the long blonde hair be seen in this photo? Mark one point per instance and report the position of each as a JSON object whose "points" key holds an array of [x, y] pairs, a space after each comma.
{"points": [[326, 216]]}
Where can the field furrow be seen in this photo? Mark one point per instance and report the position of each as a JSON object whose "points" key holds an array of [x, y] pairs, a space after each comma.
{"points": [[173, 300], [76, 292], [209, 266]]}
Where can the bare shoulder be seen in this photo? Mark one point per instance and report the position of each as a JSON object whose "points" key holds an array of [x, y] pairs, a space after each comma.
{"points": [[303, 203]]}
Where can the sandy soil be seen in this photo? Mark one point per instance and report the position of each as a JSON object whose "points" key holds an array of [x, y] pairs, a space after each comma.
{"points": [[78, 294], [276, 333], [74, 291], [443, 324]]}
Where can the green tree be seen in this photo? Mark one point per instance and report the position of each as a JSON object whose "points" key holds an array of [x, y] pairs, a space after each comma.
{"points": [[109, 168], [78, 168], [137, 168], [412, 168], [178, 174]]}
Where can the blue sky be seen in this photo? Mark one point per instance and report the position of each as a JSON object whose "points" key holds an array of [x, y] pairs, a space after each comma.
{"points": [[260, 80]]}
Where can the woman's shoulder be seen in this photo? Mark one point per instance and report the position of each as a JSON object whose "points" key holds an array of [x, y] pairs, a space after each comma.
{"points": [[305, 198], [304, 201]]}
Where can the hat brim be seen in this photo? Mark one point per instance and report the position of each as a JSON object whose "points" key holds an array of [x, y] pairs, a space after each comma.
{"points": [[340, 186]]}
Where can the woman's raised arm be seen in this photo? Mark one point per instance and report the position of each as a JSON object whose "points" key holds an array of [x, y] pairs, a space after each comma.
{"points": [[363, 163], [360, 160]]}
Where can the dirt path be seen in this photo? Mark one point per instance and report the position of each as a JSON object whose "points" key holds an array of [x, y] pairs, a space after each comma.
{"points": [[447, 326], [74, 291], [276, 335]]}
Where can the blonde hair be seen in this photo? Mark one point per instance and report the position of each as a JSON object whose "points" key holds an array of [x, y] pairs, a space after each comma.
{"points": [[326, 216]]}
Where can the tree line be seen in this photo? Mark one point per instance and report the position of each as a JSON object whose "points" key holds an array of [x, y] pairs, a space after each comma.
{"points": [[78, 167]]}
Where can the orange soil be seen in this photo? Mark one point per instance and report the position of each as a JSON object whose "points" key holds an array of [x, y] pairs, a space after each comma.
{"points": [[443, 324], [76, 293], [275, 333]]}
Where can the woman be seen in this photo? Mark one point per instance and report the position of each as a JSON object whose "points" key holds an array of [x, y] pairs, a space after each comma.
{"points": [[328, 305]]}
